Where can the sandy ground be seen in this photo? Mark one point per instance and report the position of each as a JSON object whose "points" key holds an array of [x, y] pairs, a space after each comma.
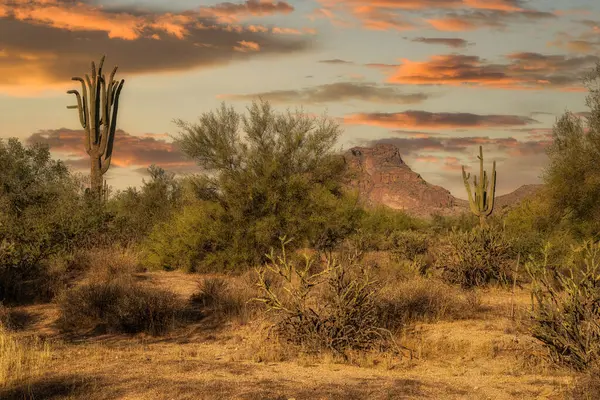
{"points": [[487, 357]]}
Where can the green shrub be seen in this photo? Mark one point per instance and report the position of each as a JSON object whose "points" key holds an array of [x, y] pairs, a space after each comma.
{"points": [[268, 174], [195, 239], [463, 222], [567, 314], [407, 245], [475, 258], [379, 225]]}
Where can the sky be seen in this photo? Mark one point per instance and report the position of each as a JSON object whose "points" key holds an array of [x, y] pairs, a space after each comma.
{"points": [[438, 78]]}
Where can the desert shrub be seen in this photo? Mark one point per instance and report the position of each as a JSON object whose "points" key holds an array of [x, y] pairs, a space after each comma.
{"points": [[530, 224], [328, 307], [567, 314], [408, 245], [443, 224], [420, 300], [379, 225], [196, 239], [475, 258], [218, 298], [119, 305], [21, 358], [44, 214], [38, 197], [137, 211], [587, 387]]}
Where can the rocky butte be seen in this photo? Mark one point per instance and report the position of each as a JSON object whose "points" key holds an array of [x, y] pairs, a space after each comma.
{"points": [[383, 178]]}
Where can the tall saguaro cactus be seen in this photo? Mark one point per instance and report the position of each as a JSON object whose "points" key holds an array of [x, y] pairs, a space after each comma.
{"points": [[482, 204], [98, 117]]}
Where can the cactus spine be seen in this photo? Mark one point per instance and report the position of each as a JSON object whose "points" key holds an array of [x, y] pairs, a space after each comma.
{"points": [[98, 117], [482, 204]]}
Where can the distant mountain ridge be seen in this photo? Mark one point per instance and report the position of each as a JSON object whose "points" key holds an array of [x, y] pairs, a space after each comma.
{"points": [[382, 177]]}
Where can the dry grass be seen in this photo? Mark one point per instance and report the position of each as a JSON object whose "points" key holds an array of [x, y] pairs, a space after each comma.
{"points": [[22, 359], [482, 355]]}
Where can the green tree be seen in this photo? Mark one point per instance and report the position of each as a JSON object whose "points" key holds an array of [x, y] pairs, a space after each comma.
{"points": [[272, 174], [40, 215], [137, 211], [573, 174]]}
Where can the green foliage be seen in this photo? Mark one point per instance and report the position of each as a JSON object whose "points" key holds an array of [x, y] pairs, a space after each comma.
{"points": [[567, 314], [573, 175], [279, 177], [443, 224], [475, 258], [136, 212], [196, 238], [407, 245], [41, 215], [379, 225]]}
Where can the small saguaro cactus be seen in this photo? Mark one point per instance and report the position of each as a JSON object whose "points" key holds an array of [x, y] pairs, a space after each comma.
{"points": [[482, 204], [98, 117]]}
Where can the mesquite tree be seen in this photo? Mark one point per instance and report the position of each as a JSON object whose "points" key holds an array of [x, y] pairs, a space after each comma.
{"points": [[482, 204], [98, 117]]}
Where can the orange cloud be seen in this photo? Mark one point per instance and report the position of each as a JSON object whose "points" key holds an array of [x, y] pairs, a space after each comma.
{"points": [[230, 12], [131, 38], [429, 120], [80, 16], [466, 15], [427, 159], [524, 71], [247, 46], [452, 24]]}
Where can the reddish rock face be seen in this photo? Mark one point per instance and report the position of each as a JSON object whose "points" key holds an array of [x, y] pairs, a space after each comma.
{"points": [[382, 177]]}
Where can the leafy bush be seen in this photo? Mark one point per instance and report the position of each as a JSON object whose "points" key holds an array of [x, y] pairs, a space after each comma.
{"points": [[197, 238], [567, 316], [572, 174], [463, 222], [407, 245], [119, 305], [475, 258], [379, 225], [137, 211], [39, 217], [268, 174]]}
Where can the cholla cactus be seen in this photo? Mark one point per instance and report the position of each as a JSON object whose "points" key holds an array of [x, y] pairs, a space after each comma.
{"points": [[482, 204], [98, 117]]}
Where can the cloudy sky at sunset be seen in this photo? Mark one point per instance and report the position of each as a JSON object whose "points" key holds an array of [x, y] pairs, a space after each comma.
{"points": [[436, 77]]}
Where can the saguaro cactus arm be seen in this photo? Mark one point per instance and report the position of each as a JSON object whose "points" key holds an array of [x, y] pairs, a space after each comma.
{"points": [[98, 117]]}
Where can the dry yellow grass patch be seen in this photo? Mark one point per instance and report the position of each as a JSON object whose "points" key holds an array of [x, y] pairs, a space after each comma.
{"points": [[485, 356], [21, 358]]}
